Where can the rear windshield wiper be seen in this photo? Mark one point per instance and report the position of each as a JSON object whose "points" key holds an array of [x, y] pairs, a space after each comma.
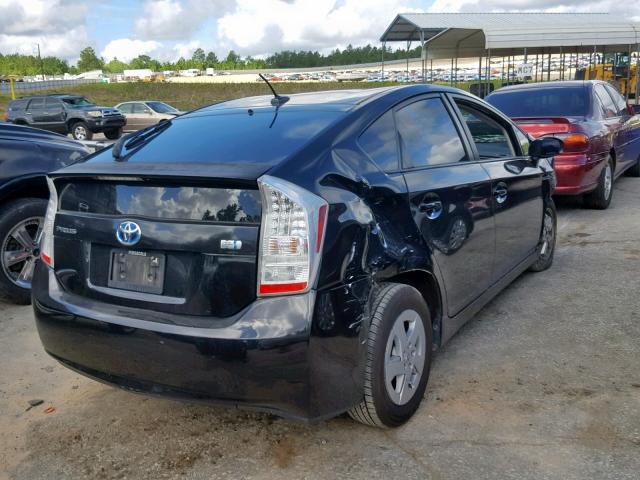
{"points": [[139, 138]]}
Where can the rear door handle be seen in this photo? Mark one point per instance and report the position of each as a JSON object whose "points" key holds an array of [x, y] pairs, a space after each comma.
{"points": [[432, 209], [501, 194]]}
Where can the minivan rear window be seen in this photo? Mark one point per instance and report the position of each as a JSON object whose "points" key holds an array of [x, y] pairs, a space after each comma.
{"points": [[542, 102], [194, 203]]}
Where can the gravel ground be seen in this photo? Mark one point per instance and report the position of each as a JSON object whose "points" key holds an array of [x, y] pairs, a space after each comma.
{"points": [[543, 384]]}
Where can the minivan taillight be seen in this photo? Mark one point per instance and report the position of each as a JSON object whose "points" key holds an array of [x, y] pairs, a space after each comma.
{"points": [[292, 232], [46, 241]]}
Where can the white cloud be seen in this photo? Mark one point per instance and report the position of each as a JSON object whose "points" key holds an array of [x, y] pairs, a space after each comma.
{"points": [[631, 8], [178, 19], [258, 27], [125, 49], [185, 50], [57, 25]]}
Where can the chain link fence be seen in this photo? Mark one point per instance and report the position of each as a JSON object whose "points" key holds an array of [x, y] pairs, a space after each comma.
{"points": [[23, 88]]}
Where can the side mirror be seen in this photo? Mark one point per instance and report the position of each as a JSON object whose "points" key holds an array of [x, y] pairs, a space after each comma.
{"points": [[545, 147]]}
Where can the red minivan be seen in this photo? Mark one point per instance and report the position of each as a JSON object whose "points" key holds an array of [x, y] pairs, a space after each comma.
{"points": [[601, 133]]}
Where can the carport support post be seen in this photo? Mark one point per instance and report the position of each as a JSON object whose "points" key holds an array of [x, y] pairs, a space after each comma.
{"points": [[637, 72], [627, 85], [408, 47], [524, 63], [431, 71], [487, 69], [423, 54], [535, 78], [451, 73], [549, 67], [383, 47]]}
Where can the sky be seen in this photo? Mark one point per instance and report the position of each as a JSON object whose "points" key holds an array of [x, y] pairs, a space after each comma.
{"points": [[169, 29]]}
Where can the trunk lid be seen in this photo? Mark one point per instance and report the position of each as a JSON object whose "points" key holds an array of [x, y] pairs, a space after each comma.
{"points": [[191, 248]]}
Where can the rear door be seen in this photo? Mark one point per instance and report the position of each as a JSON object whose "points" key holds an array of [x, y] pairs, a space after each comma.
{"points": [[36, 112], [516, 184], [615, 125], [628, 136], [450, 197], [54, 114]]}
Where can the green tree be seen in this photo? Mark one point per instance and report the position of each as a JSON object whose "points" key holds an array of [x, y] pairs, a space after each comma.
{"points": [[115, 66], [232, 57], [198, 58], [89, 60], [211, 60]]}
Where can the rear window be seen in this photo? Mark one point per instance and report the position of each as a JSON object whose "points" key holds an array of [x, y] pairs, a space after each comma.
{"points": [[206, 204], [542, 102], [230, 138], [18, 105]]}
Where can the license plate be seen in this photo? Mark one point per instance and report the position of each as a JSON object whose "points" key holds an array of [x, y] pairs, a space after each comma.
{"points": [[137, 271]]}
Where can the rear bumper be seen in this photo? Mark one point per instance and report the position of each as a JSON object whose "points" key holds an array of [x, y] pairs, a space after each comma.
{"points": [[263, 358], [577, 174]]}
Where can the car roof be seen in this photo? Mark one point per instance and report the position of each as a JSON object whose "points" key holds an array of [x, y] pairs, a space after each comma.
{"points": [[340, 100], [543, 85]]}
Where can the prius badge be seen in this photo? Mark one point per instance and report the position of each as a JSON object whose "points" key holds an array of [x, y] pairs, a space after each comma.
{"points": [[128, 233]]}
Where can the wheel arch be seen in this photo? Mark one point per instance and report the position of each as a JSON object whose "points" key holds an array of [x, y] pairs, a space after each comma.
{"points": [[427, 284], [34, 186]]}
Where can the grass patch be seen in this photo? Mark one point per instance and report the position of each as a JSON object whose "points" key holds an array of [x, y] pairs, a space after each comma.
{"points": [[187, 96]]}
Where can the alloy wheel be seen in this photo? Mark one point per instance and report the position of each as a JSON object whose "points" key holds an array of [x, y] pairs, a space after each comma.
{"points": [[404, 357], [20, 251], [608, 181], [79, 132]]}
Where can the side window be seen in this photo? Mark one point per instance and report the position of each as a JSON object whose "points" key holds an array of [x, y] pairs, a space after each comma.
{"points": [[140, 108], [491, 139], [126, 108], [18, 105], [609, 108], [36, 103], [380, 142], [53, 103], [428, 135], [621, 105]]}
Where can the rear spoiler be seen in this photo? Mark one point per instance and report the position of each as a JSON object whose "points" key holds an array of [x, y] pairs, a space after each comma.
{"points": [[540, 120]]}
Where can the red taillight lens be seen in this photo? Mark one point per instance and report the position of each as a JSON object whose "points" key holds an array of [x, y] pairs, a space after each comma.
{"points": [[292, 231], [573, 142]]}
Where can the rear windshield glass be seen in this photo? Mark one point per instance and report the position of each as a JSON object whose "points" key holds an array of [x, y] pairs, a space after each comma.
{"points": [[169, 202], [248, 137], [542, 102], [18, 105]]}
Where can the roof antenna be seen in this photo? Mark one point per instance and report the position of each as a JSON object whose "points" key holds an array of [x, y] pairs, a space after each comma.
{"points": [[277, 100]]}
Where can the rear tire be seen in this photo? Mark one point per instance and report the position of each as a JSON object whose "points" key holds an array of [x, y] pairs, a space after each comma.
{"points": [[80, 131], [17, 229], [547, 246], [113, 133], [600, 198], [398, 358]]}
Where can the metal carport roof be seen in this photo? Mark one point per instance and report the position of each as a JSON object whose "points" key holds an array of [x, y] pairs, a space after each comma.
{"points": [[448, 35]]}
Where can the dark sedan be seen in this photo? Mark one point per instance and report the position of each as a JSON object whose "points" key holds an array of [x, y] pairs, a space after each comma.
{"points": [[26, 156], [601, 133], [300, 255]]}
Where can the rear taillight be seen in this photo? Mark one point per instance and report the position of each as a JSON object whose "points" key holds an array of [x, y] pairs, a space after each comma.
{"points": [[292, 232], [46, 242], [573, 142]]}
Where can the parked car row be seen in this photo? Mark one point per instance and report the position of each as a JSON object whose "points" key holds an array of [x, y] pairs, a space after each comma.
{"points": [[78, 116], [305, 254]]}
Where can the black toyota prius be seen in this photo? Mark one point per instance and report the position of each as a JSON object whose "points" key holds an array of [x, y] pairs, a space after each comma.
{"points": [[302, 255]]}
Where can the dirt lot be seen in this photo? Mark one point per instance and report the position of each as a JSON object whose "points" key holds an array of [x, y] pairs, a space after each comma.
{"points": [[544, 384]]}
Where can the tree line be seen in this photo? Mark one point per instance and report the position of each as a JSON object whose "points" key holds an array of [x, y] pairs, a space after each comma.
{"points": [[17, 64]]}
